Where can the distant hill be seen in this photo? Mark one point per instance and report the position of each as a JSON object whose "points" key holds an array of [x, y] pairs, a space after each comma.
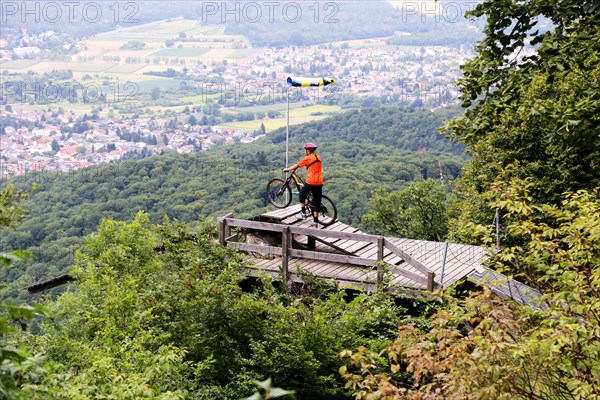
{"points": [[419, 23], [263, 23], [362, 151], [396, 128]]}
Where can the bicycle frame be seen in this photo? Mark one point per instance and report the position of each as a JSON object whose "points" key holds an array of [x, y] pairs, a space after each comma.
{"points": [[297, 181]]}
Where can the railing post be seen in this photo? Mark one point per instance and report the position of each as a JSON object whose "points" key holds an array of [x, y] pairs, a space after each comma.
{"points": [[222, 226], [224, 229], [285, 253], [380, 247], [430, 281]]}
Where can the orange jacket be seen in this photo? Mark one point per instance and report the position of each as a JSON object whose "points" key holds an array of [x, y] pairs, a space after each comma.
{"points": [[315, 169]]}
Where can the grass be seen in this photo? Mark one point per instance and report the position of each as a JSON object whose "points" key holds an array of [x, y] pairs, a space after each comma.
{"points": [[183, 52], [17, 64], [204, 30], [126, 68], [161, 83], [270, 123], [92, 67], [297, 116]]}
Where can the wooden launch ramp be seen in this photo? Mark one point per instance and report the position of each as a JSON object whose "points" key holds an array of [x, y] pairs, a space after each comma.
{"points": [[281, 244]]}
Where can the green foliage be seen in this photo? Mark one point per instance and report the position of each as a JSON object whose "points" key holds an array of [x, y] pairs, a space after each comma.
{"points": [[18, 368], [417, 212], [157, 312], [133, 45], [486, 348], [20, 371], [11, 211], [539, 110]]}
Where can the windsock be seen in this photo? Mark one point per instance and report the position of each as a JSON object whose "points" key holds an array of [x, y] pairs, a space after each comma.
{"points": [[299, 81]]}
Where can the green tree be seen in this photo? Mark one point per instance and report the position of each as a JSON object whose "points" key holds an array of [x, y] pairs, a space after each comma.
{"points": [[155, 94], [18, 368], [417, 212], [484, 347], [54, 145], [540, 109]]}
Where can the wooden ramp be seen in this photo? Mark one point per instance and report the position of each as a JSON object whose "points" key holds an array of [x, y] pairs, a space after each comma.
{"points": [[281, 244]]}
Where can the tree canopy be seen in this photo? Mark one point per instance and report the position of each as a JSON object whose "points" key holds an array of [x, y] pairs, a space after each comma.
{"points": [[534, 99]]}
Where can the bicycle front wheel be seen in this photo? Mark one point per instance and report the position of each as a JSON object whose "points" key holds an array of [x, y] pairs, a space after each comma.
{"points": [[328, 212], [278, 193]]}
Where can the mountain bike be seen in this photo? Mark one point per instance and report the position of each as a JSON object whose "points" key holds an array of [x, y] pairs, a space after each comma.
{"points": [[279, 193]]}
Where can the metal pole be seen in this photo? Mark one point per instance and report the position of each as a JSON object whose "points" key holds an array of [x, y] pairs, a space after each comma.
{"points": [[497, 229], [287, 129], [444, 265]]}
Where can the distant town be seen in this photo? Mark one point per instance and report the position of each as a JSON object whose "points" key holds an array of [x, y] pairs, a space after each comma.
{"points": [[57, 138], [49, 141]]}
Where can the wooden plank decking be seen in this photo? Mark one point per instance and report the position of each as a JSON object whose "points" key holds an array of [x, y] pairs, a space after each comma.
{"points": [[350, 257]]}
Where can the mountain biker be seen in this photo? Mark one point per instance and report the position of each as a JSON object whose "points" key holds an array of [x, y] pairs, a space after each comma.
{"points": [[314, 181]]}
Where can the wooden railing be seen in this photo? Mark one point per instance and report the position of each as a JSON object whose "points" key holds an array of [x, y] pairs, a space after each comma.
{"points": [[286, 251]]}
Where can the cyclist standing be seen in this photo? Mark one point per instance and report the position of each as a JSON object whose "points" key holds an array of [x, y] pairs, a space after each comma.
{"points": [[314, 181]]}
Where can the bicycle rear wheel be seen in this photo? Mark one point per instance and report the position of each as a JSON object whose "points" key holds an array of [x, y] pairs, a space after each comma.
{"points": [[278, 193], [328, 212]]}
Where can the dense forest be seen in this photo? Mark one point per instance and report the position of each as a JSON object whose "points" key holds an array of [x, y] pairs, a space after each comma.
{"points": [[363, 151], [159, 311]]}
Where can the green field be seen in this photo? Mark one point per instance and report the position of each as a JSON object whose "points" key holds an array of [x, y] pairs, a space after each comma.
{"points": [[205, 30], [298, 115], [17, 64], [271, 123], [92, 67], [161, 83], [126, 68], [183, 52]]}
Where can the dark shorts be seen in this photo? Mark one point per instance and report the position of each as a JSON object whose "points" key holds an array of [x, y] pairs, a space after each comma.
{"points": [[317, 192]]}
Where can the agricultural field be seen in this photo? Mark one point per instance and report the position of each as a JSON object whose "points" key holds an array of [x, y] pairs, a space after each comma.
{"points": [[17, 64], [120, 62], [105, 53], [298, 115]]}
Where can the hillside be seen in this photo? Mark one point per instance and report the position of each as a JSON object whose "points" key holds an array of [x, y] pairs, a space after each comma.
{"points": [[190, 187], [314, 23]]}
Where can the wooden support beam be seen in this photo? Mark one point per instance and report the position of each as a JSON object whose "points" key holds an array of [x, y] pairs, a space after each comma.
{"points": [[286, 241], [256, 248], [231, 238], [406, 257], [263, 226], [407, 274], [340, 258], [361, 237], [49, 284]]}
